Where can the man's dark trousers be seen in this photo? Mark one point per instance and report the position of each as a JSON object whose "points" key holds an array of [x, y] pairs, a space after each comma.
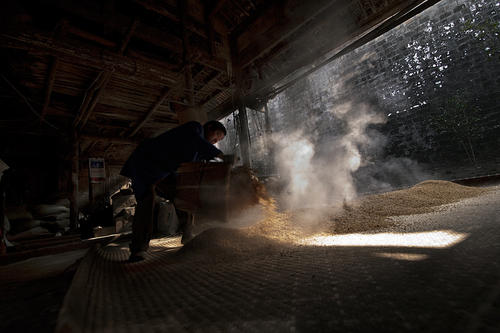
{"points": [[142, 225]]}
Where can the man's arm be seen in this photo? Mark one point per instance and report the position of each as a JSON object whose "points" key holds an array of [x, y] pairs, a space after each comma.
{"points": [[207, 150]]}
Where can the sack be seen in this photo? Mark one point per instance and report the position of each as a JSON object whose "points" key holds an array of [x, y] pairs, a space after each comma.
{"points": [[31, 233], [17, 226], [18, 213], [46, 210]]}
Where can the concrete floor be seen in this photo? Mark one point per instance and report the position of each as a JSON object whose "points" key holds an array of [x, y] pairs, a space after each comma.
{"points": [[431, 273]]}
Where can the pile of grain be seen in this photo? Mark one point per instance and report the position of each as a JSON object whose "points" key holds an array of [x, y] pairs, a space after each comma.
{"points": [[372, 212]]}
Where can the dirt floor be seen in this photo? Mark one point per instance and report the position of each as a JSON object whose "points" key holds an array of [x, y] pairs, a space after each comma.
{"points": [[422, 259]]}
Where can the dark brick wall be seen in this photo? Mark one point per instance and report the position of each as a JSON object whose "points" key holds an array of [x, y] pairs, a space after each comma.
{"points": [[417, 75]]}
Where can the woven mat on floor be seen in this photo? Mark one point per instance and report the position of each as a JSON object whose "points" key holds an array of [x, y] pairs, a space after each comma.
{"points": [[302, 288]]}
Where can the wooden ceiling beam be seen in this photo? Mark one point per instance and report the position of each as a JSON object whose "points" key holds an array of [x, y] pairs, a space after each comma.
{"points": [[298, 13], [143, 31], [214, 97], [211, 84], [110, 139], [196, 22], [105, 78], [186, 54], [218, 5], [88, 97], [88, 36], [126, 39], [88, 56], [161, 39], [116, 113], [262, 13], [195, 19], [160, 8], [94, 99], [145, 119], [174, 44]]}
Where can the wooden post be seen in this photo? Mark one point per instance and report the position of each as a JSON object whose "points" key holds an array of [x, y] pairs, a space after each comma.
{"points": [[267, 139], [3, 246], [186, 54], [192, 112], [244, 134], [91, 187], [267, 121], [74, 179]]}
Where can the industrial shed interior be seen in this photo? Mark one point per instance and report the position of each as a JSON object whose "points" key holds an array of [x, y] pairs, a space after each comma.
{"points": [[358, 191]]}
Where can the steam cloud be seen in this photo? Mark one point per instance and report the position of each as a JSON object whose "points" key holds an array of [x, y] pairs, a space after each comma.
{"points": [[319, 173]]}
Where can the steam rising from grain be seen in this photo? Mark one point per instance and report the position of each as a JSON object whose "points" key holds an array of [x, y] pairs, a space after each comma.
{"points": [[320, 173]]}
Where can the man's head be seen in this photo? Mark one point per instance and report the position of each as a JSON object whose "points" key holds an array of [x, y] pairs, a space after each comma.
{"points": [[214, 131]]}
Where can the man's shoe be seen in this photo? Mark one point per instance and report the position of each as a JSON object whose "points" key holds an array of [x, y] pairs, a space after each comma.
{"points": [[136, 257], [187, 232]]}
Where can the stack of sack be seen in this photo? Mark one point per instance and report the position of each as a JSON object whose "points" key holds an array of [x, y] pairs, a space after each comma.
{"points": [[20, 224], [38, 220], [54, 217]]}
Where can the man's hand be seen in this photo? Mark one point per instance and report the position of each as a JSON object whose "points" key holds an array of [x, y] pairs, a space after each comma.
{"points": [[228, 158]]}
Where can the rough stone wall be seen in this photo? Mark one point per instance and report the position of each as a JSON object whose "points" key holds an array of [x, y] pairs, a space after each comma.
{"points": [[436, 79]]}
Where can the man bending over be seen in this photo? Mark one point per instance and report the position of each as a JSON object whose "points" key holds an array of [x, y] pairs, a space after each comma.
{"points": [[159, 157]]}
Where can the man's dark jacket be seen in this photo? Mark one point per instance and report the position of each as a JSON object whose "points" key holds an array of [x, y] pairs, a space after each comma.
{"points": [[158, 157]]}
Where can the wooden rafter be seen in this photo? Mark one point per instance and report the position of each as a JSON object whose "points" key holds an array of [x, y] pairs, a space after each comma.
{"points": [[210, 23], [110, 139], [186, 54], [144, 120], [128, 35], [304, 12], [211, 84], [89, 56], [218, 5], [214, 97], [268, 8], [193, 24], [105, 78], [49, 86], [159, 8], [145, 32], [89, 36], [107, 75], [101, 78]]}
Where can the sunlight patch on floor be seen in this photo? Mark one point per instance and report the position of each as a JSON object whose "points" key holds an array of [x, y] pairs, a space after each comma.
{"points": [[429, 239], [402, 256]]}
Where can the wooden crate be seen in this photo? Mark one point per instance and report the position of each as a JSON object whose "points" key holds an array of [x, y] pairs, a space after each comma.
{"points": [[202, 188]]}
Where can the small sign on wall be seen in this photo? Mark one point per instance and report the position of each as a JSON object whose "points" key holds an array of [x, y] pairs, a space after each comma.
{"points": [[97, 172]]}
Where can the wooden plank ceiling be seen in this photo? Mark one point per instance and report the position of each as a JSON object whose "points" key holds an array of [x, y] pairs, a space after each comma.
{"points": [[118, 71]]}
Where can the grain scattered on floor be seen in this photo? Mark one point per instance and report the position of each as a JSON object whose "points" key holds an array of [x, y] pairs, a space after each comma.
{"points": [[273, 230]]}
